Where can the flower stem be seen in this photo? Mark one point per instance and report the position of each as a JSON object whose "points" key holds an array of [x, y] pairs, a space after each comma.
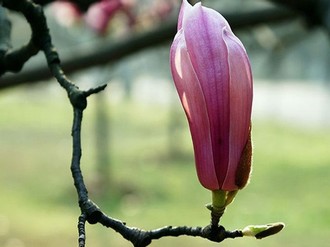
{"points": [[218, 206]]}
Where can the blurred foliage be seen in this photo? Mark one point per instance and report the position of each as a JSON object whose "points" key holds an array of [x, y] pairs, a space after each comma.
{"points": [[149, 187]]}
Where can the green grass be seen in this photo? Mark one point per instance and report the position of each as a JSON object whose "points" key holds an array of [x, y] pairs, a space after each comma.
{"points": [[153, 181]]}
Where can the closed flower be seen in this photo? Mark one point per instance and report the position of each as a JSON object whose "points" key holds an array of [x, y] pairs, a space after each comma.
{"points": [[212, 74]]}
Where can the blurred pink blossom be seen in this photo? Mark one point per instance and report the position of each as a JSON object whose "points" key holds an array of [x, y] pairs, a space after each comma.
{"points": [[66, 13], [98, 15]]}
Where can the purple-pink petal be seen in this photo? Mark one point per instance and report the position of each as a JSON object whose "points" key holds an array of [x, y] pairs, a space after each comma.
{"points": [[212, 74], [184, 8], [208, 53], [240, 103], [193, 101]]}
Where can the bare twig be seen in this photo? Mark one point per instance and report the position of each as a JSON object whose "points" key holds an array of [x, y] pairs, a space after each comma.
{"points": [[81, 230], [141, 238], [12, 60], [41, 38]]}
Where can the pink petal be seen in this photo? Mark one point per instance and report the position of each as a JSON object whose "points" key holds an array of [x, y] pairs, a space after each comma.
{"points": [[193, 101], [185, 6], [240, 103], [212, 74], [209, 56]]}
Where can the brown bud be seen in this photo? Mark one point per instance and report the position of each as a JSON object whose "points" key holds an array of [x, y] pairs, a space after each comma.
{"points": [[244, 167]]}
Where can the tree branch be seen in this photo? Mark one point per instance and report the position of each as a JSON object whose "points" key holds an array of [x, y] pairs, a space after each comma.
{"points": [[119, 49], [12, 60], [5, 31], [83, 5], [81, 230], [41, 38], [316, 12], [141, 238]]}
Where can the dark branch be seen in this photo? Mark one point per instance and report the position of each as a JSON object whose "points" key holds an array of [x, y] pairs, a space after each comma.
{"points": [[122, 48], [141, 238], [83, 5], [5, 31], [41, 38], [12, 60], [316, 12], [81, 230], [76, 156]]}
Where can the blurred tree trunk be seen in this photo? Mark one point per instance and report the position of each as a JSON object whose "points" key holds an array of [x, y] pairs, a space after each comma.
{"points": [[102, 145]]}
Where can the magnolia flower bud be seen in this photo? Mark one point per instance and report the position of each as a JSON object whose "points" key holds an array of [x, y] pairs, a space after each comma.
{"points": [[212, 74], [262, 231]]}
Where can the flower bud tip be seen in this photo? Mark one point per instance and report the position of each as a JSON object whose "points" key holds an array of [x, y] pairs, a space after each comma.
{"points": [[262, 231]]}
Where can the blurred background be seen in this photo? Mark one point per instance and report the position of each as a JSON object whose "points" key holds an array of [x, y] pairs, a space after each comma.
{"points": [[137, 153]]}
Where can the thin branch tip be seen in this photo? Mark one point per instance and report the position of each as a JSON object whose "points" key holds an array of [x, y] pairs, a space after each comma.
{"points": [[95, 90]]}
